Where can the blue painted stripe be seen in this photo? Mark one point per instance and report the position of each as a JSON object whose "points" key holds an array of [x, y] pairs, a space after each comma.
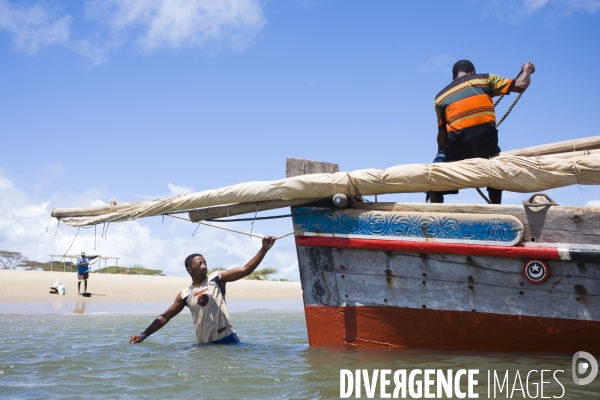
{"points": [[407, 225]]}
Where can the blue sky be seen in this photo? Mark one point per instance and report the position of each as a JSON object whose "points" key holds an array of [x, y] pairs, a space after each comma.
{"points": [[142, 99]]}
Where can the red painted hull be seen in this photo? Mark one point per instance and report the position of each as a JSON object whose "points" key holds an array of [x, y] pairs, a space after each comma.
{"points": [[387, 326]]}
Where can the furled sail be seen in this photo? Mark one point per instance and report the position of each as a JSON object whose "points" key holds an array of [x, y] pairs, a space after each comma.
{"points": [[505, 172]]}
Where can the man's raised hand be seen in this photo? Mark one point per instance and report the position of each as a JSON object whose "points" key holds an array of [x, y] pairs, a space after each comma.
{"points": [[268, 242], [528, 67]]}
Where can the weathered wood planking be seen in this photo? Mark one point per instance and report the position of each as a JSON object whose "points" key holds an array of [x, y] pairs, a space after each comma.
{"points": [[319, 285], [451, 296], [230, 210], [300, 166], [480, 269], [555, 224], [571, 292], [316, 267], [573, 279]]}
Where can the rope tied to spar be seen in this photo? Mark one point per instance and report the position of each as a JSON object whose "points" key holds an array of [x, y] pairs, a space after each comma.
{"points": [[226, 229], [354, 186]]}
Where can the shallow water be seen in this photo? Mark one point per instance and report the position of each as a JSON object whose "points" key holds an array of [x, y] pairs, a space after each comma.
{"points": [[88, 355]]}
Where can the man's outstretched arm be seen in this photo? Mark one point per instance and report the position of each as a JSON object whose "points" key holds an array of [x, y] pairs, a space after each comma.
{"points": [[238, 273], [525, 79], [161, 320]]}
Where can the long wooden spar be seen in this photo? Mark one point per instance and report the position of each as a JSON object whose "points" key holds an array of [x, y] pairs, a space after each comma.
{"points": [[565, 149]]}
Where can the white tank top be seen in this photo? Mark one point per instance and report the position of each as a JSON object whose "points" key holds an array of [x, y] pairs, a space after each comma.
{"points": [[209, 312]]}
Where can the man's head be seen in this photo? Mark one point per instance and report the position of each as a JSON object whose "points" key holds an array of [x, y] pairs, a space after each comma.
{"points": [[83, 254], [196, 266], [465, 66]]}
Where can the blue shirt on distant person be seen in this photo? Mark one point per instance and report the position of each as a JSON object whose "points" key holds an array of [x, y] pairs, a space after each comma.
{"points": [[83, 265]]}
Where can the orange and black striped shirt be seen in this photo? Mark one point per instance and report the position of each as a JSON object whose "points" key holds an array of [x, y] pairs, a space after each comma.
{"points": [[466, 109]]}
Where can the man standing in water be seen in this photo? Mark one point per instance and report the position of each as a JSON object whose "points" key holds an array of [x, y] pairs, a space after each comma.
{"points": [[83, 271], [466, 118], [206, 299]]}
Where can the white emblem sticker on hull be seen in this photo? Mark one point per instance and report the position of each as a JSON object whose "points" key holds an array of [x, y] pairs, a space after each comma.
{"points": [[536, 271]]}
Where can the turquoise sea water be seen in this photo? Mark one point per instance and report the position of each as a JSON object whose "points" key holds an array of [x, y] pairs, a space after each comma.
{"points": [[60, 354]]}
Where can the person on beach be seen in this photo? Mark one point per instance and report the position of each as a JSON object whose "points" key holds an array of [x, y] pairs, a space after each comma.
{"points": [[466, 118], [83, 271], [206, 299]]}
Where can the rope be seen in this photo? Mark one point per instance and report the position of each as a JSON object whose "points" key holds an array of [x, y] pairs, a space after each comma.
{"points": [[227, 229], [501, 97], [514, 103], [263, 218], [63, 256], [255, 214], [484, 196], [353, 184], [509, 109]]}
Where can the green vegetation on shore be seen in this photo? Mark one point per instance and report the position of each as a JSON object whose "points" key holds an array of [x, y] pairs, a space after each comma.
{"points": [[261, 274], [135, 270], [15, 260], [56, 266], [68, 267]]}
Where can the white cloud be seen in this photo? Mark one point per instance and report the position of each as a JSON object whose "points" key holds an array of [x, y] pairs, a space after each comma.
{"points": [[179, 23], [442, 63], [593, 203], [150, 24], [23, 228], [175, 189], [33, 26]]}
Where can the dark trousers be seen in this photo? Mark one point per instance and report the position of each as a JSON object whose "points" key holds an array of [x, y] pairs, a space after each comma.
{"points": [[495, 195]]}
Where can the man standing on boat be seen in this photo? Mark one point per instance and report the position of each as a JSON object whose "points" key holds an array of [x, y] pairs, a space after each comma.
{"points": [[466, 118], [206, 299]]}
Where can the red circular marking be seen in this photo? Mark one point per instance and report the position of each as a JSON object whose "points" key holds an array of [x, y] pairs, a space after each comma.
{"points": [[536, 271]]}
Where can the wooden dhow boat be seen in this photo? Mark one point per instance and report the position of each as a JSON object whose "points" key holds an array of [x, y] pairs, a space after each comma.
{"points": [[448, 276]]}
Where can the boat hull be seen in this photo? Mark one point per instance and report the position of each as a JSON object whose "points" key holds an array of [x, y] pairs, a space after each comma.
{"points": [[392, 292], [385, 326]]}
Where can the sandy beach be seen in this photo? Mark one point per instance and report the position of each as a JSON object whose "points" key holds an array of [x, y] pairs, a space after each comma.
{"points": [[34, 286]]}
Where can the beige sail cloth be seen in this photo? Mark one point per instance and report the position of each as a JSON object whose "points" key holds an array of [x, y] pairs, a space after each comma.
{"points": [[512, 173]]}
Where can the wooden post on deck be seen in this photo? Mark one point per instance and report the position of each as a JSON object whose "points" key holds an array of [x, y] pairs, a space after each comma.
{"points": [[300, 166], [307, 257]]}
